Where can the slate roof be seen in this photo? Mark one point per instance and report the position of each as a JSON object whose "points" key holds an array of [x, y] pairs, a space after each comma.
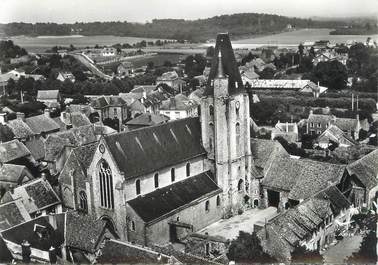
{"points": [[10, 173], [20, 129], [12, 150], [302, 177], [150, 148], [47, 95], [12, 213], [42, 124], [148, 119], [366, 169], [230, 68], [117, 252], [83, 231], [36, 147], [26, 231], [36, 195], [162, 201]]}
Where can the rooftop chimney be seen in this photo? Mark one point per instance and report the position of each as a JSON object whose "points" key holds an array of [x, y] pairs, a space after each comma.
{"points": [[172, 103], [26, 251], [20, 116], [46, 112]]}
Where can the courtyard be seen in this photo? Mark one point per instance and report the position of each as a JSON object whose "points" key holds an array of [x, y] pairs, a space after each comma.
{"points": [[229, 228]]}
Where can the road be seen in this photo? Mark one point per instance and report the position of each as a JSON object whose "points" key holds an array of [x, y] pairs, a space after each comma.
{"points": [[90, 66]]}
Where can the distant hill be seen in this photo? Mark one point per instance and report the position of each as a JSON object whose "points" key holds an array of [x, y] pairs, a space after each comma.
{"points": [[238, 25]]}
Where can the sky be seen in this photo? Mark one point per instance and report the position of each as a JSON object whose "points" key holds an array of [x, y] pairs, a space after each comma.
{"points": [[70, 11]]}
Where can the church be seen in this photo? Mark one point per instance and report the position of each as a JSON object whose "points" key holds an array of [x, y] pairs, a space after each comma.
{"points": [[157, 184]]}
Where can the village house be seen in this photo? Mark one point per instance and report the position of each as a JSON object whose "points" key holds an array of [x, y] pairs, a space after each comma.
{"points": [[286, 130], [16, 74], [248, 75], [146, 119], [51, 98], [108, 52], [125, 69], [111, 107], [13, 175], [333, 135], [62, 76], [171, 79], [179, 107], [312, 224]]}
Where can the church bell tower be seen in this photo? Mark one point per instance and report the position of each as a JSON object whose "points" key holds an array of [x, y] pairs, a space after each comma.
{"points": [[225, 125]]}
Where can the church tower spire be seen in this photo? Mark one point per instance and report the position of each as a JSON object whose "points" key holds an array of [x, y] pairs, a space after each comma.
{"points": [[225, 125]]}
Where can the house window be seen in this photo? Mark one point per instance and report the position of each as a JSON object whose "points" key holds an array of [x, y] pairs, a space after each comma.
{"points": [[83, 201], [156, 180], [237, 130], [218, 200], [137, 186], [132, 226], [207, 206], [318, 132], [237, 108], [240, 185], [115, 112], [211, 110], [106, 185], [311, 124], [173, 176], [207, 249], [319, 125], [187, 169]]}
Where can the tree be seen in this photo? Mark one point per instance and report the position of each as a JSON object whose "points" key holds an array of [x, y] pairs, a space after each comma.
{"points": [[246, 248], [194, 65], [267, 73], [302, 255], [331, 74]]}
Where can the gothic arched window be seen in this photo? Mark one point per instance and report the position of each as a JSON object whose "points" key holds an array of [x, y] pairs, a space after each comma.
{"points": [[106, 185], [211, 135], [240, 185], [173, 175], [187, 169], [137, 186], [237, 135], [211, 110], [83, 201], [207, 206], [156, 180], [218, 200]]}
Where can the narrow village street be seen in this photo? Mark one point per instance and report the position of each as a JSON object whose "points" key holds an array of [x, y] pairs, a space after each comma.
{"points": [[337, 254]]}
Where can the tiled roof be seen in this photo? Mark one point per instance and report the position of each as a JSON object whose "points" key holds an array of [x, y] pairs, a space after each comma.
{"points": [[230, 68], [42, 124], [366, 169], [179, 102], [346, 124], [264, 152], [147, 149], [336, 135], [162, 201], [20, 129], [117, 252], [300, 222], [36, 147], [6, 133], [302, 177], [148, 119], [12, 213], [27, 231], [47, 95], [10, 173], [36, 195], [83, 231], [79, 119], [12, 150], [105, 101], [86, 109]]}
